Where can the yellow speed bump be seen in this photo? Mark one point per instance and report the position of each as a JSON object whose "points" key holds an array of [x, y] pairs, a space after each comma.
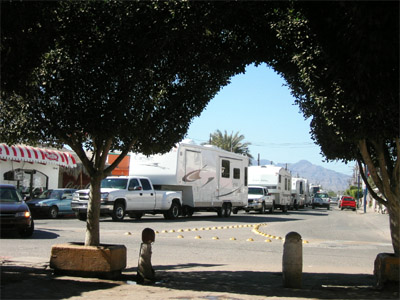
{"points": [[305, 242], [128, 233], [197, 237], [232, 239], [180, 230], [180, 236], [268, 241], [164, 231], [172, 230], [250, 240], [215, 238]]}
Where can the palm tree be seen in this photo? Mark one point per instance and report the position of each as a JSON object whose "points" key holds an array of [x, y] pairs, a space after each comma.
{"points": [[233, 142]]}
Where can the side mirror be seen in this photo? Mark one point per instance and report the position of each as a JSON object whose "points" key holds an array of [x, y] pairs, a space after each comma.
{"points": [[135, 188]]}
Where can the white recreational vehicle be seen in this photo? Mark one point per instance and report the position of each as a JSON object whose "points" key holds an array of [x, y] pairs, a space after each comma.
{"points": [[277, 180], [314, 188], [298, 192], [210, 179]]}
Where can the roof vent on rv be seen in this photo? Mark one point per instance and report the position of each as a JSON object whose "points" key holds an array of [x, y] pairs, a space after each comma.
{"points": [[210, 146], [188, 141]]}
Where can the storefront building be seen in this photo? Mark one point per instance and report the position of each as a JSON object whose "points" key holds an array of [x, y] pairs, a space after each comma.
{"points": [[33, 169]]}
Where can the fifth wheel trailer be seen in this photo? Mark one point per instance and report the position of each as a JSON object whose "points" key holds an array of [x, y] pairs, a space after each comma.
{"points": [[278, 182], [210, 179]]}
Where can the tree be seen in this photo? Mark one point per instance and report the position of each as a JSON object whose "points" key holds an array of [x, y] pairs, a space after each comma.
{"points": [[355, 192], [125, 76], [155, 65], [341, 60], [233, 142]]}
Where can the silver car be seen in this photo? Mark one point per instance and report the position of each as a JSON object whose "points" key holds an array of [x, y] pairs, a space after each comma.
{"points": [[321, 200]]}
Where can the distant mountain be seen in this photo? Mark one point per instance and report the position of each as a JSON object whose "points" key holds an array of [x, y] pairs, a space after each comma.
{"points": [[329, 180]]}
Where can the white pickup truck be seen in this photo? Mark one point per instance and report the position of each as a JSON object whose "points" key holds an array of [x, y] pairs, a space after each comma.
{"points": [[259, 199], [131, 195]]}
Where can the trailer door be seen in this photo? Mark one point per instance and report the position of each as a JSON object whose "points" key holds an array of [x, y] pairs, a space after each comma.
{"points": [[192, 166]]}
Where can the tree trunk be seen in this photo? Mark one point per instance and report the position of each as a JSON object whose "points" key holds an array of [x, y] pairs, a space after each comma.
{"points": [[394, 217], [92, 237], [388, 185]]}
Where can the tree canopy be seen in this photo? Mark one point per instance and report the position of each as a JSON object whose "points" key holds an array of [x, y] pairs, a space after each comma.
{"points": [[130, 76]]}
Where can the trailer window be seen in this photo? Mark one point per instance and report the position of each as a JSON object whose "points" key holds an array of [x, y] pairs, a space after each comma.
{"points": [[245, 176], [236, 173], [226, 167], [145, 184]]}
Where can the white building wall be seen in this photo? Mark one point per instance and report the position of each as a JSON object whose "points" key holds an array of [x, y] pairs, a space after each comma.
{"points": [[52, 171]]}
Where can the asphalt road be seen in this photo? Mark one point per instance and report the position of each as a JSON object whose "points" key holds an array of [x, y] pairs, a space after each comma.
{"points": [[344, 241], [210, 257]]}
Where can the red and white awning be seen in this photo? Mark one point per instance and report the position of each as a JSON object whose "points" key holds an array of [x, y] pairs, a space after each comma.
{"points": [[36, 155]]}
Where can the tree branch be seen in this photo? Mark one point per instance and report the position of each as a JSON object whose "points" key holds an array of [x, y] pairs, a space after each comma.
{"points": [[362, 145], [369, 187]]}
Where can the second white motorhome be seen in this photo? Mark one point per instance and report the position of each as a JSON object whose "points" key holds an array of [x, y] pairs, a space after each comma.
{"points": [[277, 180], [298, 192], [210, 179]]}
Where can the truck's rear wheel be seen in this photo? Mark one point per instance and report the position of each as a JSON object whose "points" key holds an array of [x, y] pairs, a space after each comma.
{"points": [[118, 213], [173, 212]]}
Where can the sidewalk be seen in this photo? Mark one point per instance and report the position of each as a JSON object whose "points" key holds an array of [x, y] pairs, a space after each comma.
{"points": [[34, 280]]}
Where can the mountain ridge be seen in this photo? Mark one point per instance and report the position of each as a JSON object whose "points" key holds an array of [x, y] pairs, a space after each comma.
{"points": [[329, 180]]}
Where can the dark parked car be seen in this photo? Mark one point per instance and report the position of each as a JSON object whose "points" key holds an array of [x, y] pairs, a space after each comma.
{"points": [[52, 203], [321, 200], [14, 213]]}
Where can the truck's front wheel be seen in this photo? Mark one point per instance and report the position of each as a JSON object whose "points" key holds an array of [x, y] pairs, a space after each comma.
{"points": [[118, 212], [173, 212], [262, 209]]}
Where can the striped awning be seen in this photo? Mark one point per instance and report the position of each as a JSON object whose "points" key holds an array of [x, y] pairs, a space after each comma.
{"points": [[20, 153]]}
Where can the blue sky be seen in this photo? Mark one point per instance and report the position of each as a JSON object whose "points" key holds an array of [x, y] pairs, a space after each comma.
{"points": [[258, 105]]}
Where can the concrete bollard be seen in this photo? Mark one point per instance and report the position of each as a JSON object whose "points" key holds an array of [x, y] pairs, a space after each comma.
{"points": [[145, 273], [292, 261]]}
